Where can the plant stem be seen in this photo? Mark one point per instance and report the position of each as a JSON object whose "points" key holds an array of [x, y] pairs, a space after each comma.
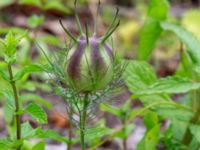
{"points": [[124, 144], [83, 116], [124, 123], [17, 107], [70, 130]]}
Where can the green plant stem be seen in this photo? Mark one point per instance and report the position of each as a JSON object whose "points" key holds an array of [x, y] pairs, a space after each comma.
{"points": [[124, 144], [17, 115], [125, 139], [70, 130], [83, 116]]}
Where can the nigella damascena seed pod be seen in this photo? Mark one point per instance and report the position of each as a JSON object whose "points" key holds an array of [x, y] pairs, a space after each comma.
{"points": [[90, 64], [90, 61]]}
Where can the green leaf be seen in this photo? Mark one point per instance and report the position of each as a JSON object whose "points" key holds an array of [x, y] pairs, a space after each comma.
{"points": [[95, 134], [35, 98], [8, 144], [3, 74], [56, 5], [149, 35], [195, 130], [31, 2], [27, 131], [39, 146], [158, 9], [5, 144], [187, 38], [27, 70], [15, 29], [10, 59], [139, 75], [49, 39], [111, 109], [150, 140], [186, 67], [174, 113], [27, 145], [50, 134], [10, 44], [190, 22], [34, 21], [125, 132], [9, 105], [150, 119], [170, 85], [37, 113], [151, 30], [178, 128]]}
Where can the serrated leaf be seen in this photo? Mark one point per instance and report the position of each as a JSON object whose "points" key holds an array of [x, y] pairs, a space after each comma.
{"points": [[151, 30], [37, 113], [174, 113], [187, 38], [27, 130], [170, 85], [9, 105], [139, 75], [27, 70]]}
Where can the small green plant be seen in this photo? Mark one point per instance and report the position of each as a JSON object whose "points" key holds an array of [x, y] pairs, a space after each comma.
{"points": [[9, 47], [156, 94], [17, 104], [86, 72]]}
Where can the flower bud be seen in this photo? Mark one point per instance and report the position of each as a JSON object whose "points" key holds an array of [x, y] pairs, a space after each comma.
{"points": [[90, 64], [90, 61]]}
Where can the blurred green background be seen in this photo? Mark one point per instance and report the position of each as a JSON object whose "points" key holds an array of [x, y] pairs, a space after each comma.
{"points": [[40, 19]]}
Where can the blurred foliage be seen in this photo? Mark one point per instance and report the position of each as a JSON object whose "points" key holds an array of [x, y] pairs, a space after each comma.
{"points": [[191, 22], [58, 5]]}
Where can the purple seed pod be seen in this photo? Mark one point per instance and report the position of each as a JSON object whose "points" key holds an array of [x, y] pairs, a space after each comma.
{"points": [[89, 64]]}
